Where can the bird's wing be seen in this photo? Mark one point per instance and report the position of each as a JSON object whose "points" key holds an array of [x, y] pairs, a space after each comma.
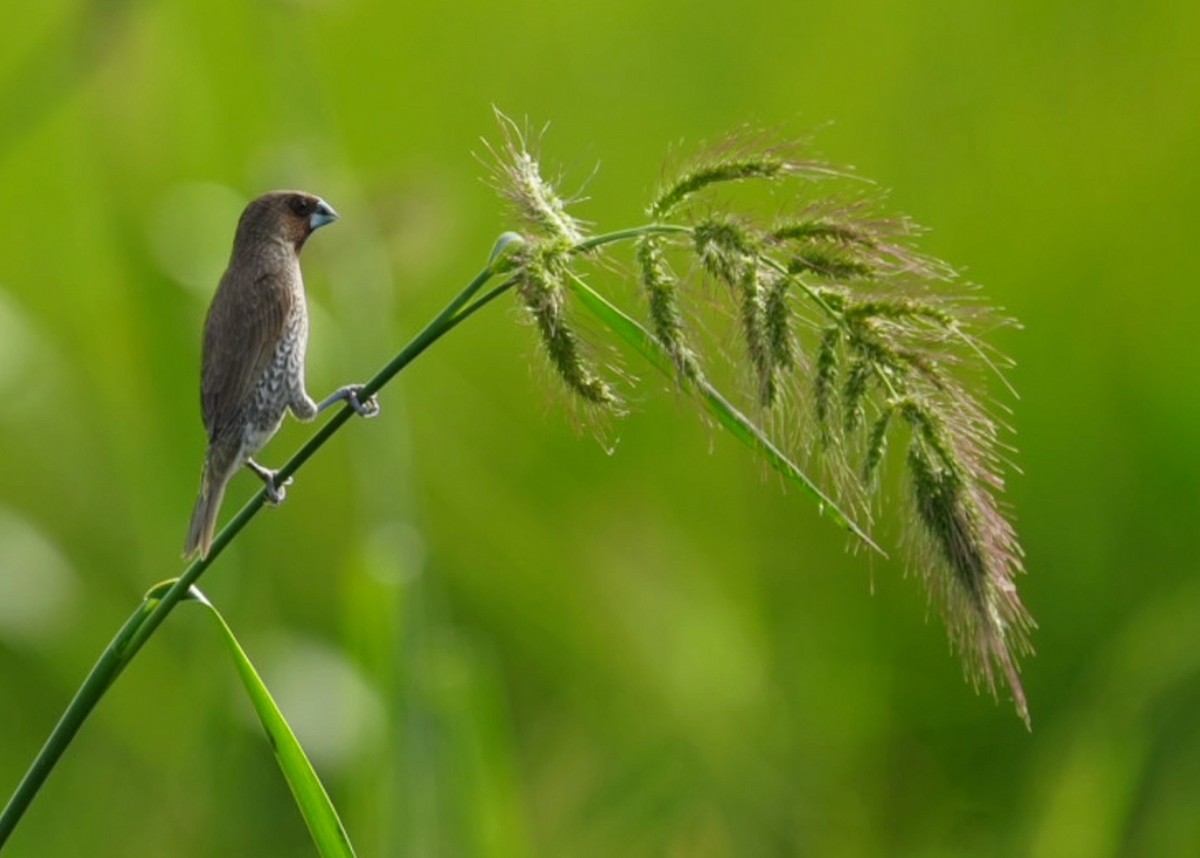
{"points": [[244, 327]]}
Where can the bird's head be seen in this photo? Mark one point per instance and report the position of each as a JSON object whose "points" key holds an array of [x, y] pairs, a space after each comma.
{"points": [[289, 216]]}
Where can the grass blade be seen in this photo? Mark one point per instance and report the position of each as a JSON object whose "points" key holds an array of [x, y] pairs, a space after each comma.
{"points": [[316, 808], [738, 424]]}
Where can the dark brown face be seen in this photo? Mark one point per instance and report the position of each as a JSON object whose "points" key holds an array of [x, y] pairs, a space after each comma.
{"points": [[288, 215]]}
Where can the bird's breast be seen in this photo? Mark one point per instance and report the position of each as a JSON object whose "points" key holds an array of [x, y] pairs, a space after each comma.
{"points": [[278, 384]]}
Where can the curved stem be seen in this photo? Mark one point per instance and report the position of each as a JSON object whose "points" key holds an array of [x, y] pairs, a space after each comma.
{"points": [[106, 669], [154, 609], [633, 232]]}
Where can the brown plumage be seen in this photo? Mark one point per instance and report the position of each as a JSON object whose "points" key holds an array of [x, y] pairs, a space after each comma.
{"points": [[254, 342]]}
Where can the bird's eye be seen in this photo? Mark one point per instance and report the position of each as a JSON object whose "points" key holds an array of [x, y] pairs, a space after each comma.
{"points": [[301, 206]]}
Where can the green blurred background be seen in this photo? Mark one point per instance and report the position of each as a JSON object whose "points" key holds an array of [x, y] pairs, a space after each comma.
{"points": [[494, 635]]}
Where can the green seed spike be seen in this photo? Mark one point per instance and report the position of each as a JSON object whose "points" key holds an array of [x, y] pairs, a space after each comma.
{"points": [[520, 179], [752, 311], [829, 264], [929, 429], [760, 167], [778, 322], [822, 230], [897, 309], [539, 284], [854, 391], [665, 317], [949, 520], [724, 247], [876, 448], [826, 377]]}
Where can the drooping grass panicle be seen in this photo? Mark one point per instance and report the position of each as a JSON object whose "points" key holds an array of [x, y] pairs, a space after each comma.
{"points": [[835, 309], [894, 337]]}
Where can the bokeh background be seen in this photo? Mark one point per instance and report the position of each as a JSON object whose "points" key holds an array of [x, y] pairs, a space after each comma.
{"points": [[496, 635]]}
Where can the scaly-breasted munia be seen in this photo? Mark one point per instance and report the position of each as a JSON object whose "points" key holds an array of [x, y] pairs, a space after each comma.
{"points": [[254, 342]]}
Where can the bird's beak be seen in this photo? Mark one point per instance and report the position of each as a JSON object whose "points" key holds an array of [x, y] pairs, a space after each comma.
{"points": [[323, 215]]}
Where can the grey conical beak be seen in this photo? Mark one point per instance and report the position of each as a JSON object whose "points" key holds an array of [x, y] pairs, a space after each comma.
{"points": [[323, 215]]}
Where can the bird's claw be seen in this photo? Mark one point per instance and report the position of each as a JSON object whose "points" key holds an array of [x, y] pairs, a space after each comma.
{"points": [[276, 491], [350, 395], [369, 408]]}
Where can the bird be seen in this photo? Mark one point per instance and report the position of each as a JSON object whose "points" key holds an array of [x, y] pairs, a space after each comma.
{"points": [[255, 337]]}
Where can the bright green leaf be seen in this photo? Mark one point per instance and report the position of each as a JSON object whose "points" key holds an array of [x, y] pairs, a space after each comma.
{"points": [[318, 811]]}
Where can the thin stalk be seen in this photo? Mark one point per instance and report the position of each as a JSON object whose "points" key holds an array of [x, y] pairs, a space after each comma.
{"points": [[151, 613], [97, 682], [633, 232]]}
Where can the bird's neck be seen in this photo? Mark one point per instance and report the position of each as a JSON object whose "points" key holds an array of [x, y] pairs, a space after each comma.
{"points": [[266, 254]]}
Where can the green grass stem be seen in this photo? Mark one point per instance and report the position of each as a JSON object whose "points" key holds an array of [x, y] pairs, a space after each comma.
{"points": [[150, 614]]}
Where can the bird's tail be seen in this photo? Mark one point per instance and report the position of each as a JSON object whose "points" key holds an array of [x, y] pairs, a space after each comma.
{"points": [[204, 517]]}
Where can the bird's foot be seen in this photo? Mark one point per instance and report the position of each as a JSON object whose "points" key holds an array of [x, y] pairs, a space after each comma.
{"points": [[368, 408], [350, 394], [276, 490]]}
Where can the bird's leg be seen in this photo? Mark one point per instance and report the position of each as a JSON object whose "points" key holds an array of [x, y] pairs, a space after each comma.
{"points": [[276, 491], [349, 394]]}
